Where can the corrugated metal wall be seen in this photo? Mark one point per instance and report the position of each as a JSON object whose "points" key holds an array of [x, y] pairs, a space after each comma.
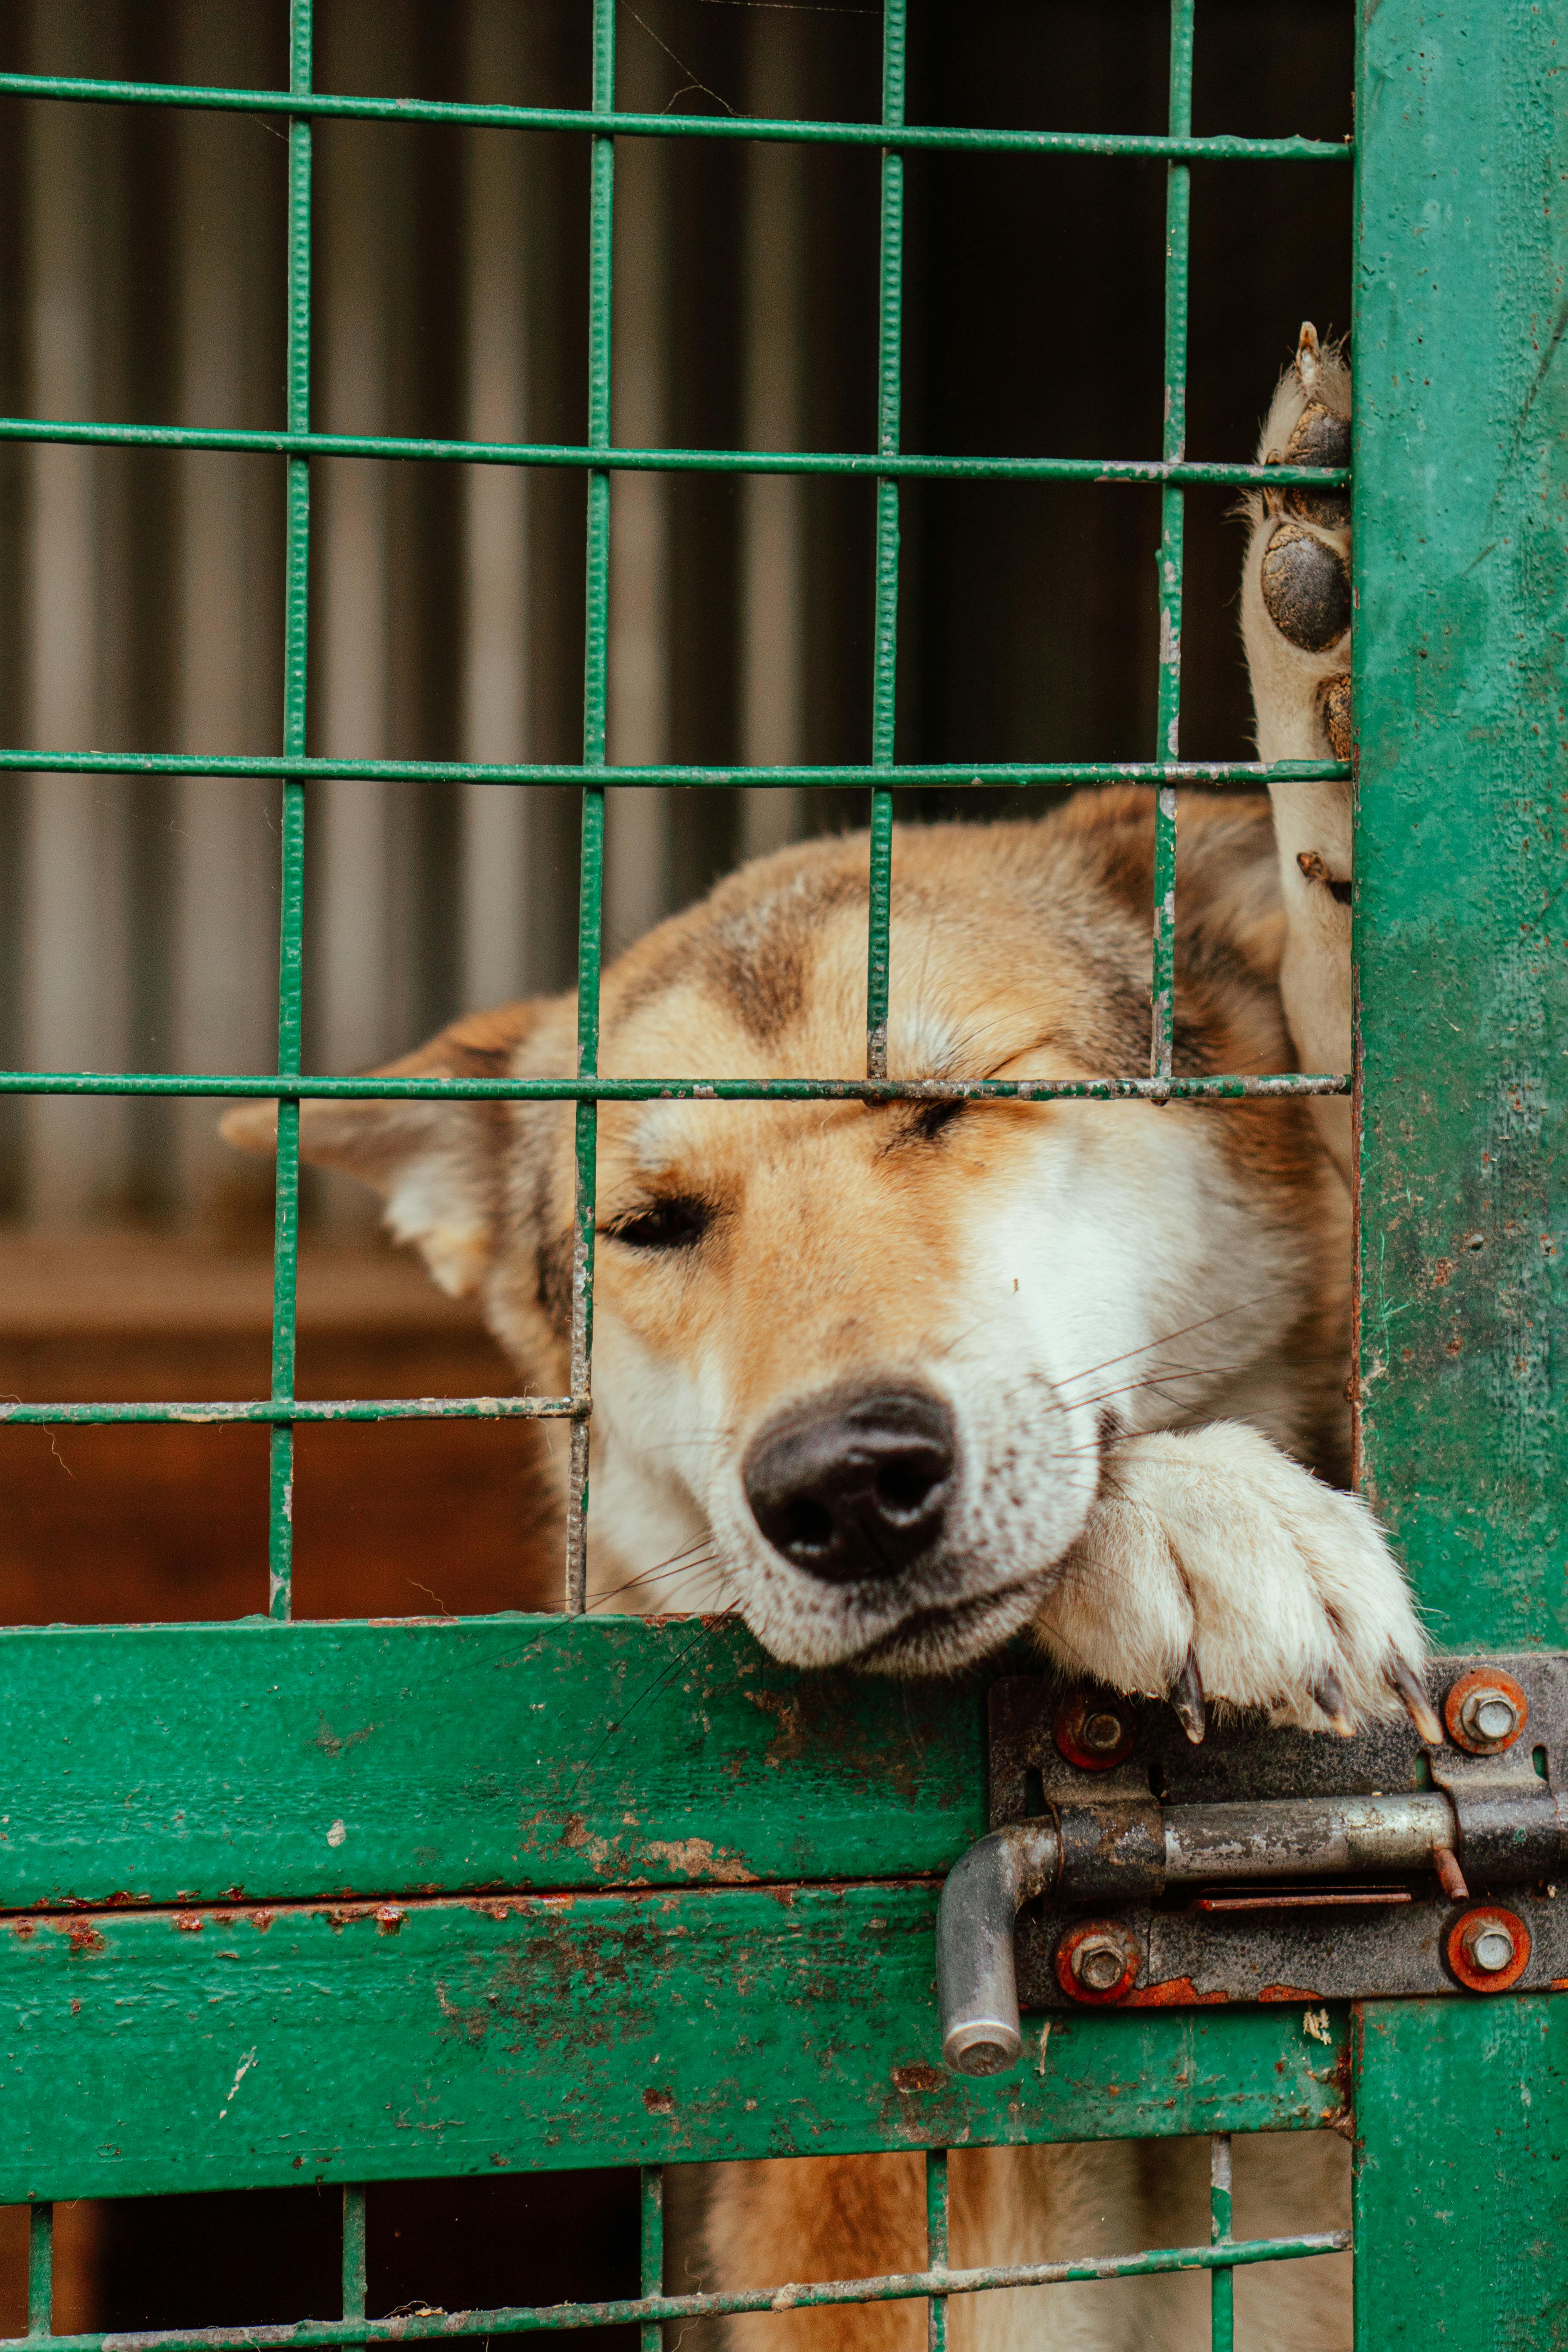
{"points": [[141, 277]]}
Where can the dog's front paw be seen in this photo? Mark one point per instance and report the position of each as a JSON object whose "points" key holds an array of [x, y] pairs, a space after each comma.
{"points": [[1296, 583], [1213, 1568], [1296, 622]]}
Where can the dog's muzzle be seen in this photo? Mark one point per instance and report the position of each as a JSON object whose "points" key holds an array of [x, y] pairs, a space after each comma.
{"points": [[853, 1487]]}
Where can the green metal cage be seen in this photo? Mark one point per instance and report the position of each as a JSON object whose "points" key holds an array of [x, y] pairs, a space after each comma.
{"points": [[1462, 861]]}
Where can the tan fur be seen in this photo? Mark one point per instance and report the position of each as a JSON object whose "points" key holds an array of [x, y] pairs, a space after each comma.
{"points": [[1138, 1312], [849, 1243], [766, 2225], [1016, 951]]}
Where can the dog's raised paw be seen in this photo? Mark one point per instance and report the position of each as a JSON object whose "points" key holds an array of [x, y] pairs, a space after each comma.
{"points": [[1215, 1570], [1296, 585]]}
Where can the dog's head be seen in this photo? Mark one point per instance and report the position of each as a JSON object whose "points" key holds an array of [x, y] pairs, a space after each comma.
{"points": [[866, 1357]]}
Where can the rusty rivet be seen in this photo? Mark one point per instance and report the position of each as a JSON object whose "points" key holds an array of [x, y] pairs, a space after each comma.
{"points": [[1093, 1732], [1100, 1960], [1489, 1944], [1490, 1715], [1485, 1712], [1489, 1949]]}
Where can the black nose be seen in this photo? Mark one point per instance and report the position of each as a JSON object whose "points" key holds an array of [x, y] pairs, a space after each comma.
{"points": [[853, 1487]]}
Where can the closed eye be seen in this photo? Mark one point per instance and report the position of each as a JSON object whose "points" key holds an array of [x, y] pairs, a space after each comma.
{"points": [[932, 1117], [676, 1222], [923, 1122]]}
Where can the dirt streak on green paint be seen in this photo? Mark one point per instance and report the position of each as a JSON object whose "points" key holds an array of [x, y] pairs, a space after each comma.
{"points": [[241, 2048], [1460, 479]]}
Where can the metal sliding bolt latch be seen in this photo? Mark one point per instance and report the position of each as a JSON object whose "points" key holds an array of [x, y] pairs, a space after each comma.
{"points": [[1269, 1865]]}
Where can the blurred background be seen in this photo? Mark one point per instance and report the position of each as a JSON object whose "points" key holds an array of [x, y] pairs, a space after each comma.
{"points": [[140, 598]]}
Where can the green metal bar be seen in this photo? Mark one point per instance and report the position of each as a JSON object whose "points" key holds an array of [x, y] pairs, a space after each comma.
{"points": [[569, 454], [936, 2244], [281, 1456], [1178, 224], [419, 2328], [291, 908], [1226, 1088], [1462, 2148], [353, 2263], [40, 2271], [885, 627], [596, 698], [291, 1409], [651, 2196], [299, 104], [948, 775], [1222, 2279]]}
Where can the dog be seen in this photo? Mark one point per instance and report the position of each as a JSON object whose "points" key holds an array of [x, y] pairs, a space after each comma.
{"points": [[900, 1381]]}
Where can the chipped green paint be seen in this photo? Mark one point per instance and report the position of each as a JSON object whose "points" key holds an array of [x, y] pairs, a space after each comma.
{"points": [[1461, 2174], [198, 1763], [700, 1888], [146, 2051], [1460, 484], [1462, 497]]}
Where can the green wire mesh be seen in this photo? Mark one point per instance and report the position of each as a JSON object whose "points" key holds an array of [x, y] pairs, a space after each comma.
{"points": [[297, 445], [598, 458], [650, 2309]]}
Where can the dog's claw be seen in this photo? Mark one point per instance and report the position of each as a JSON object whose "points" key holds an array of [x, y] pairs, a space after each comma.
{"points": [[1330, 1699], [1187, 1699], [1403, 1678]]}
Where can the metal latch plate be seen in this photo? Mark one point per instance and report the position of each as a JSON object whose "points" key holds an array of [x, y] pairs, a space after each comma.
{"points": [[1285, 1938]]}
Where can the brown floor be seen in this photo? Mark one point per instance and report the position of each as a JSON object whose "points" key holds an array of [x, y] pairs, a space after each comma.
{"points": [[144, 1524], [139, 1524], [244, 2260]]}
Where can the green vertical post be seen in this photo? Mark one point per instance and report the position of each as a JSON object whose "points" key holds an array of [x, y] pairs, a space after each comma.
{"points": [[885, 629], [353, 2254], [595, 695], [40, 2270], [1178, 221], [1222, 2281], [1460, 466], [650, 2196], [936, 2244], [291, 907]]}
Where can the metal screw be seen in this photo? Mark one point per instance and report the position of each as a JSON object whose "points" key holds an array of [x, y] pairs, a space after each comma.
{"points": [[1102, 1731], [1100, 1962], [1489, 1947], [1489, 1715]]}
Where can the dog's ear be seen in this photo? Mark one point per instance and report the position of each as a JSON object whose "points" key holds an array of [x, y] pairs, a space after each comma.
{"points": [[435, 1164]]}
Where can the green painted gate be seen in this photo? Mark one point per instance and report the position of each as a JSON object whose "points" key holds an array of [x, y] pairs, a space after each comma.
{"points": [[250, 1933]]}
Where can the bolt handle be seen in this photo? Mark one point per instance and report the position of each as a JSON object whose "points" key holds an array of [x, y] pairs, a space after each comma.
{"points": [[977, 1981]]}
